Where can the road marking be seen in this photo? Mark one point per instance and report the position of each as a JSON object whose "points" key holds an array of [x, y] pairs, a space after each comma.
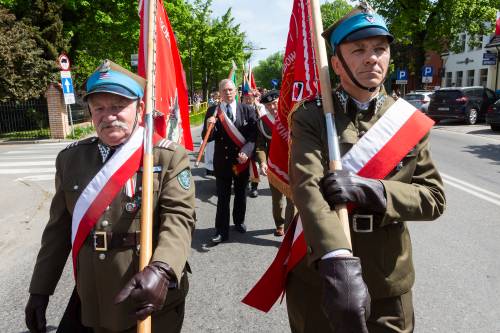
{"points": [[16, 164], [16, 171], [16, 158], [472, 189], [36, 178]]}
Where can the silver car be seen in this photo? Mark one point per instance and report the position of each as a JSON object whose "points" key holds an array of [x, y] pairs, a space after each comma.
{"points": [[419, 99]]}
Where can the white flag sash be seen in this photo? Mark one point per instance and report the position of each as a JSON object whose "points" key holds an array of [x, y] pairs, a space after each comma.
{"points": [[103, 188]]}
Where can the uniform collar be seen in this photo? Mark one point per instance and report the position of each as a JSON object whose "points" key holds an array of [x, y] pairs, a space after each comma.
{"points": [[374, 104]]}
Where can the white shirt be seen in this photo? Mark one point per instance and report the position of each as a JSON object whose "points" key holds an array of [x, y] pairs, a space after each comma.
{"points": [[233, 108]]}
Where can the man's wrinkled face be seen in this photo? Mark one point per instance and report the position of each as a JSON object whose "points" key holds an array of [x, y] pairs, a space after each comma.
{"points": [[114, 116], [272, 107], [368, 59], [228, 92], [248, 99]]}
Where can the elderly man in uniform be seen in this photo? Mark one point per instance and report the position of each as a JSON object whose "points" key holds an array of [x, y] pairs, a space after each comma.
{"points": [[331, 288], [113, 293], [234, 134], [270, 101]]}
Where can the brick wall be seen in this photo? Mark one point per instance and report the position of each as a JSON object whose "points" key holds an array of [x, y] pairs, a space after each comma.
{"points": [[58, 115]]}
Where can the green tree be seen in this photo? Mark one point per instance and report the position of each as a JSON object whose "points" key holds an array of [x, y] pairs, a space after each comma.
{"points": [[268, 69], [25, 73], [436, 24]]}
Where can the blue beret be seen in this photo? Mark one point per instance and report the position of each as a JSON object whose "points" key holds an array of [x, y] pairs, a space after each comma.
{"points": [[356, 25], [113, 79]]}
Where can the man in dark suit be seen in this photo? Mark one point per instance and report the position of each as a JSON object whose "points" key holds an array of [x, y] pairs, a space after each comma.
{"points": [[231, 156]]}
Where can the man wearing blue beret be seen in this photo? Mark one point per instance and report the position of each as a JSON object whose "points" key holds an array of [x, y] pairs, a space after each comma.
{"points": [[367, 286], [95, 214]]}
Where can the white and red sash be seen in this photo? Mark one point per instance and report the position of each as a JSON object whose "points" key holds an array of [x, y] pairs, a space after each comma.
{"points": [[239, 140], [374, 156], [265, 116], [103, 188]]}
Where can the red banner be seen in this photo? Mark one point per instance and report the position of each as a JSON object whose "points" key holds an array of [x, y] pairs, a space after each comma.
{"points": [[171, 94], [497, 30], [299, 81]]}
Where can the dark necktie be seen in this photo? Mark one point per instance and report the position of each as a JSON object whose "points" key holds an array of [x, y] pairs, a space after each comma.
{"points": [[229, 112]]}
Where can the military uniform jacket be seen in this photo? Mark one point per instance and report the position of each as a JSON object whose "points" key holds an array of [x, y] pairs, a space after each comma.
{"points": [[263, 142], [100, 279], [225, 150], [414, 192]]}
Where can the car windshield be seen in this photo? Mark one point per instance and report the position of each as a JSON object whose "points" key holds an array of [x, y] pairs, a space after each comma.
{"points": [[452, 94], [414, 97]]}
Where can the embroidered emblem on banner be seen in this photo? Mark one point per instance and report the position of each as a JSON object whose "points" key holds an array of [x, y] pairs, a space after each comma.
{"points": [[184, 179]]}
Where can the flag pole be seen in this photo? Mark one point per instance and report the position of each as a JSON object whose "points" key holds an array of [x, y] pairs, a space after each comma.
{"points": [[335, 162], [146, 242]]}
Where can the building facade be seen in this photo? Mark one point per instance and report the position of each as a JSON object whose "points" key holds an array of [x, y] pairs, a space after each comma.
{"points": [[474, 66]]}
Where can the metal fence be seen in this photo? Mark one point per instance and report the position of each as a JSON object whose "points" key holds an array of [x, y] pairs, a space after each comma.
{"points": [[24, 120]]}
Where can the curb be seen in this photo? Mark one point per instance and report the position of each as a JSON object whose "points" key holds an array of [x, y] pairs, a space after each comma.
{"points": [[42, 141]]}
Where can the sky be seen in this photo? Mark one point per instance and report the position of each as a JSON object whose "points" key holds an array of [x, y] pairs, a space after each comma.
{"points": [[265, 23]]}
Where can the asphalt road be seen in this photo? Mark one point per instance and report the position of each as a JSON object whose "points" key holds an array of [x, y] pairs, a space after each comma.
{"points": [[457, 287]]}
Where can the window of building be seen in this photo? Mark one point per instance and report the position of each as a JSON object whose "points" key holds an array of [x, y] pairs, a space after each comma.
{"points": [[470, 77], [460, 76], [448, 79], [469, 47], [480, 39], [483, 77]]}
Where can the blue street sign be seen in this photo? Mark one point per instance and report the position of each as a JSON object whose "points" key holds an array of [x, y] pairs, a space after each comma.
{"points": [[67, 84], [427, 71], [402, 75], [275, 82]]}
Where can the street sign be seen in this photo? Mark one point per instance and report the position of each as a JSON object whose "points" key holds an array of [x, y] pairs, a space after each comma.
{"points": [[67, 87], [63, 62], [134, 60], [275, 82], [402, 76], [489, 59], [427, 72]]}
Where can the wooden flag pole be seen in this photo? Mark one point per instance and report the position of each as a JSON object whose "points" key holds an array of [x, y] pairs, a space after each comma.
{"points": [[146, 244], [327, 100], [204, 143]]}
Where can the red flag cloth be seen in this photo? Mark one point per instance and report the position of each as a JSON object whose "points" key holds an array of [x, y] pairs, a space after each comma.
{"points": [[251, 78], [299, 81], [171, 93], [497, 30]]}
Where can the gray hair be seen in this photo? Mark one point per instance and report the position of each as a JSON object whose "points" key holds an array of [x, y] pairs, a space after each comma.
{"points": [[224, 82]]}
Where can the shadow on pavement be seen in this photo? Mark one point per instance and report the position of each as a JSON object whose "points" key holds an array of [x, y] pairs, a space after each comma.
{"points": [[484, 131], [490, 152], [202, 238], [50, 328]]}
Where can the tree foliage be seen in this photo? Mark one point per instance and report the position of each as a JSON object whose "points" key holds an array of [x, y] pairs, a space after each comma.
{"points": [[25, 73], [435, 24], [269, 69]]}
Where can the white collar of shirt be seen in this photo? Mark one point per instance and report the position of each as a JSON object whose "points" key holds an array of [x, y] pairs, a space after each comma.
{"points": [[233, 108]]}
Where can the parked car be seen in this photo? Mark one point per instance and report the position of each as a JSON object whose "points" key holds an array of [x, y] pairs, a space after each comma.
{"points": [[464, 103], [419, 99], [493, 116]]}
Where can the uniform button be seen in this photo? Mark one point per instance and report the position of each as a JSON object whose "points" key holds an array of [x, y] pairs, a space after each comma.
{"points": [[227, 157], [104, 223], [361, 133], [108, 208], [309, 250], [102, 256], [75, 187]]}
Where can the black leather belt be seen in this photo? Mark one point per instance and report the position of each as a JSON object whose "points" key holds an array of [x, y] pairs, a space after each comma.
{"points": [[103, 241]]}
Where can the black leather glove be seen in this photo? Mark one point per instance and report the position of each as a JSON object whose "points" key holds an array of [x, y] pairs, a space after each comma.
{"points": [[346, 301], [147, 289], [35, 313], [343, 186]]}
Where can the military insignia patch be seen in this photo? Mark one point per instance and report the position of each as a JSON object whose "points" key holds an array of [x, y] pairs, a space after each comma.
{"points": [[184, 179]]}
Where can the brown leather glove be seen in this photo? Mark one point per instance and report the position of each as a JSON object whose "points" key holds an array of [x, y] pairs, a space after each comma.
{"points": [[342, 186], [346, 301], [147, 289], [35, 313]]}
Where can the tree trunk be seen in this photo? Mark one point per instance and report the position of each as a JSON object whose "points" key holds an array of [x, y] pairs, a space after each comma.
{"points": [[418, 58]]}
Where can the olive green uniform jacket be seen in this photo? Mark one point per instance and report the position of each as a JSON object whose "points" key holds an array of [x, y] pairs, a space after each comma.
{"points": [[101, 275], [414, 192]]}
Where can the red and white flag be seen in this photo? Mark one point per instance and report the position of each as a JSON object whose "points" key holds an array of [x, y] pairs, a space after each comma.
{"points": [[171, 93], [497, 30], [251, 78], [299, 81]]}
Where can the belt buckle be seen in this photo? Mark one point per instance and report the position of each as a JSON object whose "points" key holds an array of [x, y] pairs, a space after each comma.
{"points": [[100, 241], [357, 219]]}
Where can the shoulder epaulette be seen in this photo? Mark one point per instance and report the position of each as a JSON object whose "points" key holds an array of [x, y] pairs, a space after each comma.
{"points": [[167, 144], [86, 141]]}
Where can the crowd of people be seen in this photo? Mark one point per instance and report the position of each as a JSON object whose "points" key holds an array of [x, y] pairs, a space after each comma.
{"points": [[359, 280]]}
